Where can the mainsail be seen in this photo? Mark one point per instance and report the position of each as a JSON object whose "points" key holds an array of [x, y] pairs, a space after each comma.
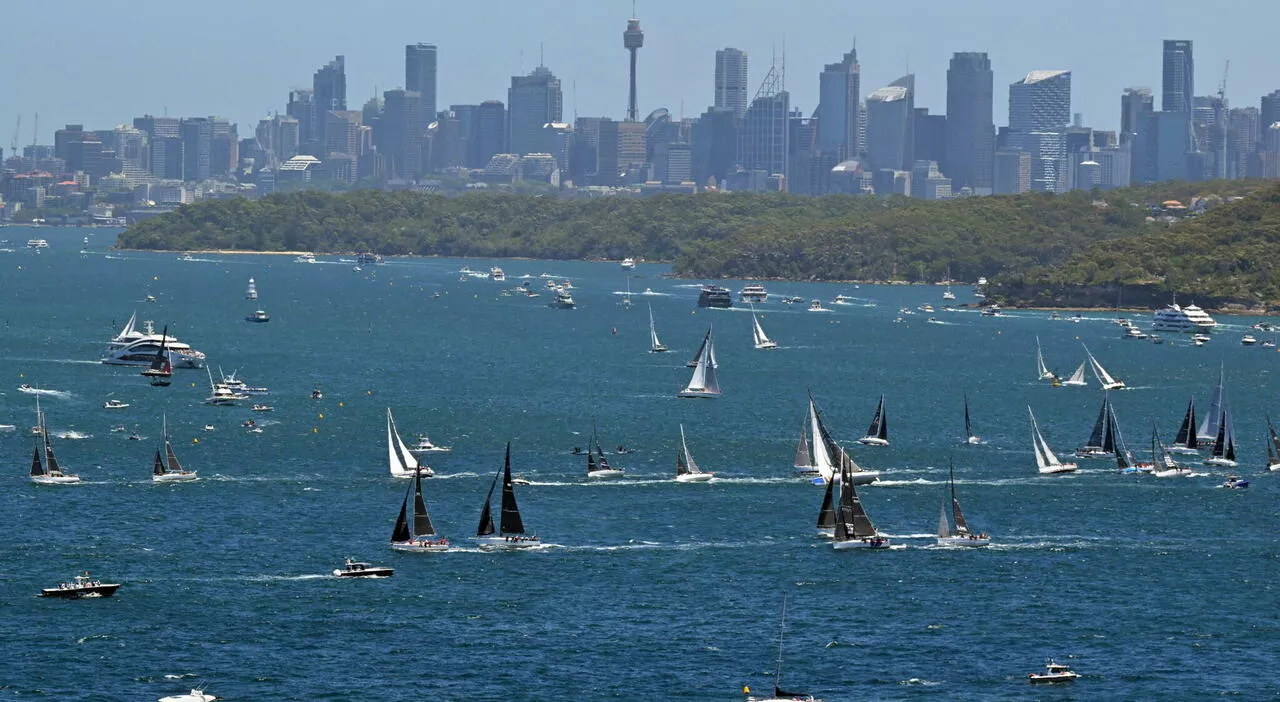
{"points": [[1208, 431], [511, 522], [803, 458], [962, 527], [1187, 431], [851, 520], [655, 346], [968, 429], [1041, 369], [1077, 378], [486, 513], [759, 338], [704, 382], [878, 430], [706, 342], [1045, 457], [421, 520], [685, 464], [400, 461], [827, 513], [1108, 382], [1273, 445], [161, 368]]}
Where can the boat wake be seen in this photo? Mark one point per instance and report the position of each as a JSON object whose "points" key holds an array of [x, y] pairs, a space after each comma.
{"points": [[909, 536], [72, 434], [271, 578], [95, 637], [63, 394], [919, 681]]}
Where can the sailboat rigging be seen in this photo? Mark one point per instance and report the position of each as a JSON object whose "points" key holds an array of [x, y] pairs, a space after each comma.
{"points": [[878, 431], [828, 456], [780, 695], [1224, 446], [1042, 371], [759, 338], [415, 533], [1185, 441], [1102, 440], [703, 383], [510, 531], [804, 460], [597, 465], [161, 369], [706, 342], [1273, 447], [1104, 378], [400, 460], [1162, 465], [970, 438], [45, 469], [853, 527], [961, 536], [166, 468], [655, 346], [1207, 433], [687, 470], [1077, 378], [1046, 461]]}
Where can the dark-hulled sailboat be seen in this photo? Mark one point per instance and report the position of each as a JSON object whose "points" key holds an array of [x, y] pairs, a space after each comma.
{"points": [[510, 531], [416, 534], [969, 437]]}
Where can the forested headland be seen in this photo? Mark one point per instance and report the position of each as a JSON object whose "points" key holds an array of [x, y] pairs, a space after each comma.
{"points": [[1034, 247]]}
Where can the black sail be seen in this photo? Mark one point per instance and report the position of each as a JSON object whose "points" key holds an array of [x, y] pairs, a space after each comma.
{"points": [[968, 430], [174, 466], [486, 514], [1110, 439], [1187, 432], [693, 362], [1098, 434], [54, 468], [962, 527], [157, 467], [511, 522], [591, 461], [421, 520], [401, 532], [682, 468], [36, 468], [827, 514], [852, 521], [879, 427]]}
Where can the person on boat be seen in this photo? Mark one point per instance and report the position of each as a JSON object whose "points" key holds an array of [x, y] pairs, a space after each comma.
{"points": [[577, 451]]}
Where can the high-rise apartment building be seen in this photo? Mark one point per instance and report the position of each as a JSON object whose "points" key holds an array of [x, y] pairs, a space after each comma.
{"points": [[330, 89], [970, 140], [930, 135], [839, 91], [1039, 111], [731, 81], [532, 102], [1134, 104], [224, 149], [1244, 131], [714, 146], [420, 76]]}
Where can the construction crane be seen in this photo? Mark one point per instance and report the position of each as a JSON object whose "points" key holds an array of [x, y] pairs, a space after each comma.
{"points": [[1222, 87], [13, 143]]}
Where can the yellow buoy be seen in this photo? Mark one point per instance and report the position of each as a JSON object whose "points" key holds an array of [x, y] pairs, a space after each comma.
{"points": [[195, 441], [321, 415], [314, 430]]}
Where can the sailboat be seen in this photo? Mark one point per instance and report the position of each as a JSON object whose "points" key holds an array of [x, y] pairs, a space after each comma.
{"points": [[878, 431], [706, 342], [1224, 447], [400, 460], [1102, 440], [853, 527], [166, 468], [1207, 433], [828, 457], [1273, 447], [1162, 465], [687, 470], [703, 383], [44, 465], [1046, 460], [161, 369], [597, 465], [1104, 378], [970, 438], [1042, 371], [251, 293], [827, 512], [626, 297], [1185, 441], [1077, 379], [1124, 459], [761, 340], [655, 346], [510, 532], [804, 459], [416, 535], [961, 536], [780, 695]]}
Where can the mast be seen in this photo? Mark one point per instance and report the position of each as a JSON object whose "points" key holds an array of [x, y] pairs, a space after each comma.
{"points": [[693, 362], [421, 520], [1208, 430], [486, 514], [962, 527], [400, 533], [968, 430], [511, 522], [1101, 425]]}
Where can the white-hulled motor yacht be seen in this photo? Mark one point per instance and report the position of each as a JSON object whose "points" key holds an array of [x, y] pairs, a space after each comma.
{"points": [[1053, 673], [1183, 320], [139, 348], [754, 293], [196, 695]]}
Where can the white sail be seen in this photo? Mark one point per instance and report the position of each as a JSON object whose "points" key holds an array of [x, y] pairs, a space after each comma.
{"points": [[1046, 460], [1077, 378], [1208, 431], [1108, 382], [1041, 369], [761, 340], [400, 461], [821, 458], [655, 346], [944, 527], [703, 383]]}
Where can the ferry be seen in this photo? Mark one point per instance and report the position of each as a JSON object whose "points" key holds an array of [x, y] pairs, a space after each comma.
{"points": [[1183, 320], [368, 259], [715, 296], [138, 348], [753, 294]]}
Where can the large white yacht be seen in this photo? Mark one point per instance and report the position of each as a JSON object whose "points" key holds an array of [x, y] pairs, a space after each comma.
{"points": [[1183, 320], [138, 348]]}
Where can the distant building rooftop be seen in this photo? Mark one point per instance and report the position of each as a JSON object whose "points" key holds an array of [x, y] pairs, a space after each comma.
{"points": [[1037, 76], [889, 94]]}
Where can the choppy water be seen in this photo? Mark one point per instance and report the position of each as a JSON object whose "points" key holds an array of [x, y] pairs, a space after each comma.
{"points": [[645, 588]]}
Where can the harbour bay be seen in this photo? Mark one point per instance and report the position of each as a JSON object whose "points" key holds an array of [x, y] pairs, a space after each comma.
{"points": [[644, 587]]}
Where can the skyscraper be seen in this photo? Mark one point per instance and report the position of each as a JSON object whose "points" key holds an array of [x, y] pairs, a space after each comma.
{"points": [[420, 76], [970, 140], [762, 141], [1039, 111], [197, 148], [532, 101], [330, 89], [302, 107], [1244, 130], [1134, 103], [731, 81], [632, 40], [491, 135], [839, 90], [399, 133], [889, 130], [1269, 110], [1178, 84]]}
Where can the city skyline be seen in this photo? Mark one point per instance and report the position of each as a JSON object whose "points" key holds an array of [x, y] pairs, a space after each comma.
{"points": [[476, 61]]}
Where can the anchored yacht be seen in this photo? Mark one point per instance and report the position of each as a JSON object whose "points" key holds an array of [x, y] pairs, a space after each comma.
{"points": [[139, 348], [1183, 320]]}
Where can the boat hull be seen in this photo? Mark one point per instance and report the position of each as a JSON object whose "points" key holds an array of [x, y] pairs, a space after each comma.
{"points": [[425, 546], [860, 477], [1216, 461], [1058, 469], [366, 573], [55, 479], [873, 441], [875, 544], [605, 473], [694, 478], [964, 541], [1034, 678], [81, 593], [765, 346], [184, 477], [426, 472], [507, 542], [698, 394]]}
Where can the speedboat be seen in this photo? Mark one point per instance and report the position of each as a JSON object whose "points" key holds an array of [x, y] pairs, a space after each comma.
{"points": [[1155, 338], [842, 300], [563, 300], [259, 316], [262, 408], [1053, 673], [1132, 332], [186, 257], [1248, 340], [196, 695], [1184, 320], [753, 294], [316, 394], [497, 274], [1235, 482], [1200, 339], [139, 348], [793, 299], [37, 244], [81, 587], [424, 445], [118, 429], [241, 387], [816, 306], [357, 569], [114, 404], [628, 264], [991, 311], [305, 258], [926, 308]]}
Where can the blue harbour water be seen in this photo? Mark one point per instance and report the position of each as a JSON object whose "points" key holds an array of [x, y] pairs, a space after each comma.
{"points": [[1151, 589]]}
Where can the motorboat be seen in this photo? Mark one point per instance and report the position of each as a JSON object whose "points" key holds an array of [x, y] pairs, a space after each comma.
{"points": [[1053, 673], [628, 264], [196, 695], [1132, 332], [114, 404], [132, 347], [81, 587], [118, 429], [715, 296], [424, 445], [991, 311], [358, 569], [753, 294], [368, 259], [187, 257], [262, 408], [1155, 338], [1235, 482], [258, 316], [563, 300], [793, 300], [251, 293], [497, 274], [1183, 320], [816, 306], [926, 308], [842, 300], [1248, 340], [230, 380], [37, 244], [222, 394], [316, 394], [305, 258]]}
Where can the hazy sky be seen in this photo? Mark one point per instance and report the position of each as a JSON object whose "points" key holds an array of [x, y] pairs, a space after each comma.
{"points": [[105, 62]]}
